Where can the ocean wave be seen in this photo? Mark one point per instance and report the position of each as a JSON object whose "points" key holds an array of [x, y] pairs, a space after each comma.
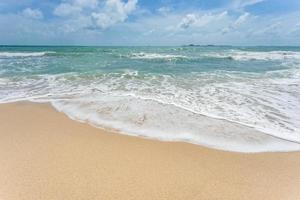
{"points": [[251, 55], [231, 55], [153, 56], [24, 54], [135, 104], [130, 115]]}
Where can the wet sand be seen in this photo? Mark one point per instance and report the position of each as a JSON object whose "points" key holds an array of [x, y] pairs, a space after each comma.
{"points": [[45, 155]]}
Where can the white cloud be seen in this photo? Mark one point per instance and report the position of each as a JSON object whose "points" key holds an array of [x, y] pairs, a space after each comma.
{"points": [[32, 13], [74, 7], [298, 25], [188, 20], [241, 4], [245, 3], [86, 3], [241, 19], [114, 11], [236, 23], [66, 9], [99, 14], [197, 20], [271, 29], [164, 10]]}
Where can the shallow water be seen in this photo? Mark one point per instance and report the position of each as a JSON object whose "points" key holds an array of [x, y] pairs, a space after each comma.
{"points": [[166, 92]]}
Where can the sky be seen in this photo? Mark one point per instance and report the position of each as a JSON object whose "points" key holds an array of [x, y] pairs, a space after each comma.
{"points": [[149, 22]]}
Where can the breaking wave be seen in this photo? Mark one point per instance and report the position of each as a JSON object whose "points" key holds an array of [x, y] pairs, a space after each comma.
{"points": [[24, 54], [249, 55], [236, 55], [150, 56]]}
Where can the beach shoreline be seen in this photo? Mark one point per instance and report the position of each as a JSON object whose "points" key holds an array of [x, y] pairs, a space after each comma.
{"points": [[46, 155]]}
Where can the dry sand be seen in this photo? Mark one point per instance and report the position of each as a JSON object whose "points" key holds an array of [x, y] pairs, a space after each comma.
{"points": [[45, 155]]}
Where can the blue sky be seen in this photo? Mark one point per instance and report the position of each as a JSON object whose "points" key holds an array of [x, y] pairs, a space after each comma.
{"points": [[145, 22]]}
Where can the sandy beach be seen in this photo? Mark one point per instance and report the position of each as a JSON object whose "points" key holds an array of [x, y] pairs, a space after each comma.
{"points": [[45, 155]]}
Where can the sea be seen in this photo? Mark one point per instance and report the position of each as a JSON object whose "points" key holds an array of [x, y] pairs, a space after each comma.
{"points": [[234, 98]]}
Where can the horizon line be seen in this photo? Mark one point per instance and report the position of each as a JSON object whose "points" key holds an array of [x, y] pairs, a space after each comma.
{"points": [[183, 45]]}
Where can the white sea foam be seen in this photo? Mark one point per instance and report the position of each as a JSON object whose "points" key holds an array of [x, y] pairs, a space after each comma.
{"points": [[142, 55], [237, 55], [23, 54], [173, 108], [167, 122], [251, 55]]}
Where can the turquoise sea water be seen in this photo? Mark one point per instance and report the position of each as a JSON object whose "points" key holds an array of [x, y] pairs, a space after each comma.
{"points": [[234, 98]]}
